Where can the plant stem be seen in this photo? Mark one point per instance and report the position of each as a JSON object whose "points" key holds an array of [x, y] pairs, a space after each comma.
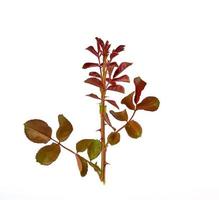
{"points": [[66, 148], [102, 121]]}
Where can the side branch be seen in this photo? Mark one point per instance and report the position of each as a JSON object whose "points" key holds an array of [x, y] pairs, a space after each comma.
{"points": [[66, 148]]}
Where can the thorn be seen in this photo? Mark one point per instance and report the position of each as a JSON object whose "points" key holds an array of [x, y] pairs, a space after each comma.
{"points": [[107, 163]]}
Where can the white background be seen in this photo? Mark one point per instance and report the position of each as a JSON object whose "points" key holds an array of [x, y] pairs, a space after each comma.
{"points": [[174, 46]]}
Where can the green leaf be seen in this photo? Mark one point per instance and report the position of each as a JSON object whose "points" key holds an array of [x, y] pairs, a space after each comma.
{"points": [[121, 116], [48, 154], [128, 101], [94, 149], [37, 131], [65, 128], [133, 129], [82, 145], [82, 165], [113, 138], [149, 104]]}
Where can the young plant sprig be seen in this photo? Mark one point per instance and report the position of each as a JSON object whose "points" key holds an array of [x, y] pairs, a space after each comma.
{"points": [[107, 77]]}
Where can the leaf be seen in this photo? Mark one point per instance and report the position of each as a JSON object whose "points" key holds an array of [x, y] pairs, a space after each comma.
{"points": [[65, 128], [37, 131], [48, 154], [107, 46], [95, 74], [113, 138], [82, 165], [116, 88], [120, 48], [113, 54], [121, 68], [107, 120], [121, 116], [149, 104], [128, 101], [93, 96], [139, 86], [123, 78], [95, 167], [116, 51], [111, 82], [82, 145], [114, 64], [92, 50], [88, 65], [133, 129], [94, 149], [110, 70], [110, 67], [100, 43], [94, 81], [112, 102]]}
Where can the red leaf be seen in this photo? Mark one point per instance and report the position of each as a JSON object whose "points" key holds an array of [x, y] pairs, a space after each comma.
{"points": [[139, 86], [100, 44], [110, 67], [117, 88], [107, 120], [95, 74], [120, 48], [113, 103], [113, 54], [88, 65], [106, 48], [121, 115], [128, 101], [116, 51], [93, 96], [123, 78], [92, 50], [107, 45], [114, 64], [110, 70], [111, 81], [94, 81], [121, 68]]}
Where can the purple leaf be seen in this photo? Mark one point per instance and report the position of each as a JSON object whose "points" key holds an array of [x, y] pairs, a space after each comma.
{"points": [[121, 68], [92, 50], [93, 96], [95, 74], [88, 65], [123, 78], [94, 81], [117, 88], [112, 102]]}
